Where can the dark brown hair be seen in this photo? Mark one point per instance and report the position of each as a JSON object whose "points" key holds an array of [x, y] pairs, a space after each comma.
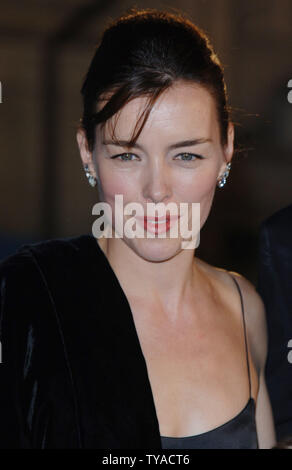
{"points": [[142, 54]]}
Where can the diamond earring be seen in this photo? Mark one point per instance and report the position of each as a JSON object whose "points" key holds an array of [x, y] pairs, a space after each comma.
{"points": [[222, 180], [91, 179]]}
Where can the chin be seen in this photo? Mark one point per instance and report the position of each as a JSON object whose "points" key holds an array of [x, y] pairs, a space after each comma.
{"points": [[156, 250]]}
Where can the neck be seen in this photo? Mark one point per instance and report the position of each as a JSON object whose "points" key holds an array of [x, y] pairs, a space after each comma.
{"points": [[165, 284]]}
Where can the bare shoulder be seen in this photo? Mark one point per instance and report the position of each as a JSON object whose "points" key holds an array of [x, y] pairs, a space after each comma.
{"points": [[255, 319], [257, 339], [223, 279], [254, 310]]}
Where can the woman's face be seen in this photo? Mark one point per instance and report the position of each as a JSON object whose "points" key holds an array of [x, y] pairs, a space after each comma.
{"points": [[166, 165]]}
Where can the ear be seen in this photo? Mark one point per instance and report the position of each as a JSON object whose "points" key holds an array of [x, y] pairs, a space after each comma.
{"points": [[228, 148], [85, 153]]}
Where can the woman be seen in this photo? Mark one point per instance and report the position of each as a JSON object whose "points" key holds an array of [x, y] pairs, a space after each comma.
{"points": [[135, 342]]}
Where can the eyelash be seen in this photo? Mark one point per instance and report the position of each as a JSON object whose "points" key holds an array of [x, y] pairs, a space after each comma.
{"points": [[184, 153]]}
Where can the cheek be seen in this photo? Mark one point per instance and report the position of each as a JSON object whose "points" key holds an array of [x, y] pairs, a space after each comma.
{"points": [[206, 194], [113, 184], [199, 187]]}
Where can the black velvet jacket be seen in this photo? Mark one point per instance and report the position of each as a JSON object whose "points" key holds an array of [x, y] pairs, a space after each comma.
{"points": [[61, 308], [275, 287]]}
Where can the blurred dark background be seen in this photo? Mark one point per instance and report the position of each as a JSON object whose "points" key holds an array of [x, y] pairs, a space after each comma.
{"points": [[45, 49]]}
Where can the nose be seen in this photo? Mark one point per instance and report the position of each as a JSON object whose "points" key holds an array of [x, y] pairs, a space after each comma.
{"points": [[157, 183]]}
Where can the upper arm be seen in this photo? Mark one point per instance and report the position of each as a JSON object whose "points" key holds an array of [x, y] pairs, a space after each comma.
{"points": [[11, 422], [20, 289], [30, 375], [257, 333]]}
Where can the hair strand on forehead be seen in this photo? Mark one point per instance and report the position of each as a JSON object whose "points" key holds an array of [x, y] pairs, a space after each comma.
{"points": [[144, 53]]}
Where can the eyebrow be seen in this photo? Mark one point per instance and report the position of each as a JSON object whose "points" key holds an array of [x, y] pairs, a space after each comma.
{"points": [[183, 143]]}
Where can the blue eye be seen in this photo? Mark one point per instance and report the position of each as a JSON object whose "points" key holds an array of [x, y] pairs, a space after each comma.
{"points": [[188, 157], [124, 157]]}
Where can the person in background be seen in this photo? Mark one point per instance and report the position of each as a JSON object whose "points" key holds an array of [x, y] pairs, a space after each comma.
{"points": [[275, 288]]}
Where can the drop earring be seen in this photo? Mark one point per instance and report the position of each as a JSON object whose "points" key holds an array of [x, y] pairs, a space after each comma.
{"points": [[222, 180], [91, 179]]}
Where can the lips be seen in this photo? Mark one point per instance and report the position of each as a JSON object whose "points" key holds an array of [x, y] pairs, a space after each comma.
{"points": [[158, 219], [157, 225]]}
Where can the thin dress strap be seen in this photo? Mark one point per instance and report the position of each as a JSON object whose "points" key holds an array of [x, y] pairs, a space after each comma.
{"points": [[244, 327]]}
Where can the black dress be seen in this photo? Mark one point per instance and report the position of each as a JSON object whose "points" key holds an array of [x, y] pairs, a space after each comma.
{"points": [[73, 374]]}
